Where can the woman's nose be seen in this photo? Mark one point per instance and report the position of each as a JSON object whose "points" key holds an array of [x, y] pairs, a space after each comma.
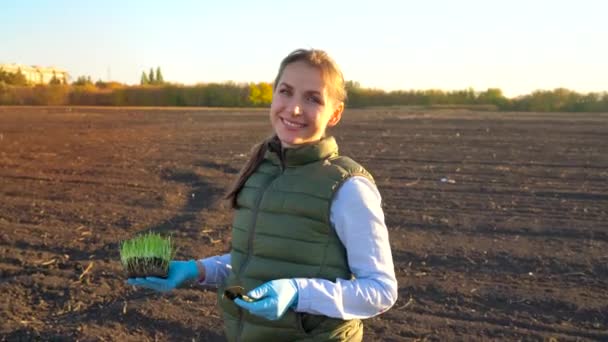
{"points": [[294, 107], [296, 111]]}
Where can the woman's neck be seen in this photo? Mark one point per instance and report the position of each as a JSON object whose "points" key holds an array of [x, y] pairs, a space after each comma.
{"points": [[285, 145]]}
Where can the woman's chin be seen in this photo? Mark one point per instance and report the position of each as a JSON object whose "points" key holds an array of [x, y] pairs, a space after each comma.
{"points": [[288, 143]]}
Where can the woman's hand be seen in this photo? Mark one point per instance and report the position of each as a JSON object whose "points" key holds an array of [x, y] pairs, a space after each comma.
{"points": [[271, 299], [179, 272]]}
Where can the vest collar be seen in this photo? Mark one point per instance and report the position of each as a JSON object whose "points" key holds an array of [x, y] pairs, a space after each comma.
{"points": [[321, 150]]}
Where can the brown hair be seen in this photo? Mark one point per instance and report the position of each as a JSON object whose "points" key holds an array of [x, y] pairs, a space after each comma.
{"points": [[333, 78]]}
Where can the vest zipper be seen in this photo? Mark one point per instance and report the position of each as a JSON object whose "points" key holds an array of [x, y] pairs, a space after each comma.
{"points": [[250, 238]]}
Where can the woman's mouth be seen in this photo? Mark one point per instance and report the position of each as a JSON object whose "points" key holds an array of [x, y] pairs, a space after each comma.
{"points": [[292, 124]]}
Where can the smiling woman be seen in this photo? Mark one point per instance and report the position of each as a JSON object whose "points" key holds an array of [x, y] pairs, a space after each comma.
{"points": [[310, 255], [302, 107]]}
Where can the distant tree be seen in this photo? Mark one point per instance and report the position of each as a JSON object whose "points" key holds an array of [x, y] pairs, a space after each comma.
{"points": [[493, 96], [13, 78], [100, 84], [109, 85], [152, 77], [603, 103], [144, 79], [265, 93], [260, 94], [54, 80], [352, 85], [83, 81], [254, 94], [159, 76], [547, 100], [19, 78], [354, 93]]}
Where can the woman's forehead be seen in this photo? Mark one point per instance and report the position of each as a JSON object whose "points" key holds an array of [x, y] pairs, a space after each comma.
{"points": [[303, 77]]}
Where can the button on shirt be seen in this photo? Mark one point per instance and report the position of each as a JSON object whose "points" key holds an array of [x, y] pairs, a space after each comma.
{"points": [[356, 213]]}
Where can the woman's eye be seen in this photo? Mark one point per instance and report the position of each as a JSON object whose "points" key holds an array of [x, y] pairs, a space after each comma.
{"points": [[284, 91], [314, 99]]}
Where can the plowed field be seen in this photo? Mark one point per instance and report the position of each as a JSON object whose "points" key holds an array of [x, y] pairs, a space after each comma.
{"points": [[498, 221]]}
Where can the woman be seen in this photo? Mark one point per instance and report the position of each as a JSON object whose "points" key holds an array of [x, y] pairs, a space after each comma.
{"points": [[310, 250]]}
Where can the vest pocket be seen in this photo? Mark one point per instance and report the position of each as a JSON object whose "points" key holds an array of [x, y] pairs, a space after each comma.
{"points": [[226, 304], [323, 328]]}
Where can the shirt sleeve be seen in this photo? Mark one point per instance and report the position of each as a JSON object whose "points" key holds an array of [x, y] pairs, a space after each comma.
{"points": [[217, 269], [356, 213]]}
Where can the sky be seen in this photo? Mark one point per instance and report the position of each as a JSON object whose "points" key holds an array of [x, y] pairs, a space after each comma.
{"points": [[518, 46]]}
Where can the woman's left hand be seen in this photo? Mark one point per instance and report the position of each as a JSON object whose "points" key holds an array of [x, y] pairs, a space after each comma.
{"points": [[179, 272], [271, 299]]}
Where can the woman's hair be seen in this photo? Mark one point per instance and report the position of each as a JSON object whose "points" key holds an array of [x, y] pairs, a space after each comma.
{"points": [[333, 78]]}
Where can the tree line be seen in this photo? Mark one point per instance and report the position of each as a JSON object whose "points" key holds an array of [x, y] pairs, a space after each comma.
{"points": [[556, 100], [154, 91]]}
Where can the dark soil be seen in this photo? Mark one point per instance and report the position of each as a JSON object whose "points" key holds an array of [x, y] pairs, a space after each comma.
{"points": [[498, 221], [146, 267]]}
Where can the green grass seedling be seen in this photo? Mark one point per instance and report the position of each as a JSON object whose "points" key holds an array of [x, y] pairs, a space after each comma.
{"points": [[147, 255]]}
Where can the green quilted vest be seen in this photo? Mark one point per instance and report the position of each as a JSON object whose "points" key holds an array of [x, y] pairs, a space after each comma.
{"points": [[281, 229]]}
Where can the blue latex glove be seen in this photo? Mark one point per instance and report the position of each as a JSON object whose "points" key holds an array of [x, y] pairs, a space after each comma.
{"points": [[179, 272], [272, 299]]}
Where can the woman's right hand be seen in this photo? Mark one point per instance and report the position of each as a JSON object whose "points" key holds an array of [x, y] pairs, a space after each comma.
{"points": [[179, 272]]}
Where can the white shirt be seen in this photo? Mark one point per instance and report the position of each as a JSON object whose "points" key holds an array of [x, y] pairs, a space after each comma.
{"points": [[356, 213]]}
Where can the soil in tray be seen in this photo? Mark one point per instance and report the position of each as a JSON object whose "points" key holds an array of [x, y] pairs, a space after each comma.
{"points": [[146, 267]]}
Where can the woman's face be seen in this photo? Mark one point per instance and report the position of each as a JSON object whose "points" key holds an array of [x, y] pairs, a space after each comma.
{"points": [[301, 107]]}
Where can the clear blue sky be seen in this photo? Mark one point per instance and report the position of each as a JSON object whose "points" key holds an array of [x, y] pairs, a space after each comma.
{"points": [[516, 45]]}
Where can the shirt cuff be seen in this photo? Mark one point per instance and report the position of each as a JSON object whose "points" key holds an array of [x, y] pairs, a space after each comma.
{"points": [[304, 295], [210, 272]]}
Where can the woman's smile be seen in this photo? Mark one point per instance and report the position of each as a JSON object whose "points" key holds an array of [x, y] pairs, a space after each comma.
{"points": [[292, 124]]}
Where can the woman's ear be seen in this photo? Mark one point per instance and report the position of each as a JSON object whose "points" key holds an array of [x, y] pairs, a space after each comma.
{"points": [[336, 115]]}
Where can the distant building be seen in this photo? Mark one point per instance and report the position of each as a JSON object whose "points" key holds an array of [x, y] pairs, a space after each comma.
{"points": [[36, 74]]}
